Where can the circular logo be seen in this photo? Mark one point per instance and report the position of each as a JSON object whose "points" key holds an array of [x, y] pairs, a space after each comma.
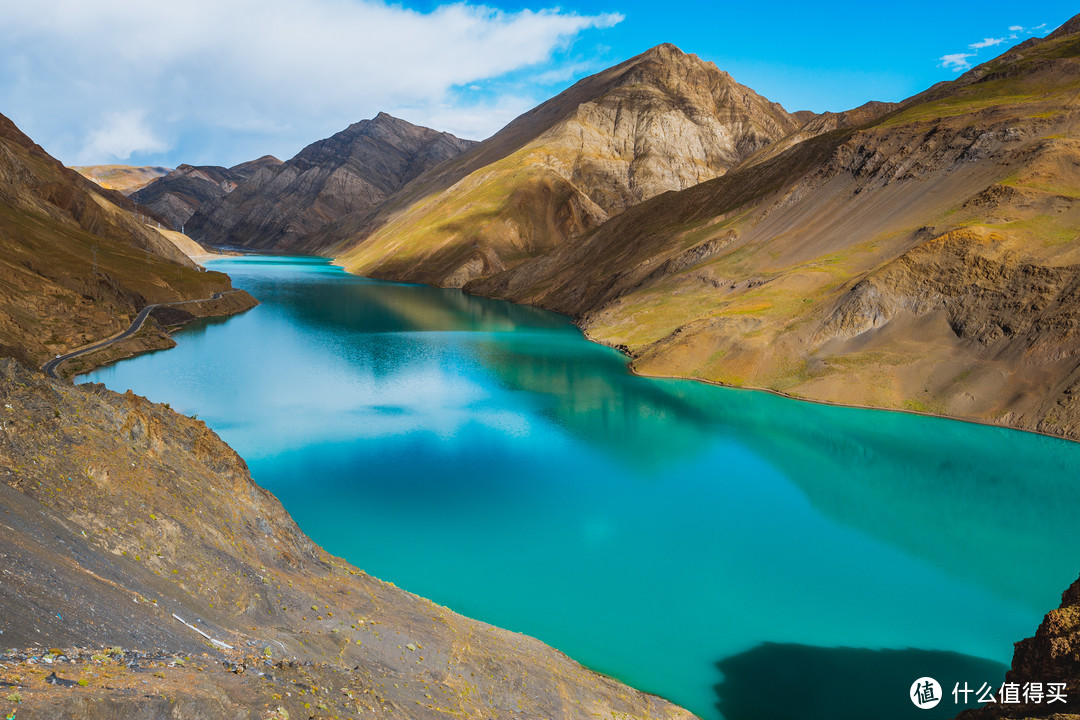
{"points": [[925, 693]]}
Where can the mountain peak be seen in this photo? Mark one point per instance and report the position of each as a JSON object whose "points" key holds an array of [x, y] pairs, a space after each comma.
{"points": [[664, 50], [383, 122], [667, 59], [1072, 25], [245, 169]]}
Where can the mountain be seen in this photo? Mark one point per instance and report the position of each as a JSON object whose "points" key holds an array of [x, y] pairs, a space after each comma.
{"points": [[122, 178], [928, 259], [352, 170], [75, 264], [180, 193], [661, 121]]}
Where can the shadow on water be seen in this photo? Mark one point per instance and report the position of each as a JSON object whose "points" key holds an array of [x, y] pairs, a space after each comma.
{"points": [[776, 681]]}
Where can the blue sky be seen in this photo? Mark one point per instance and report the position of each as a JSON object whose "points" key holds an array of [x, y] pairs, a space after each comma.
{"points": [[221, 82]]}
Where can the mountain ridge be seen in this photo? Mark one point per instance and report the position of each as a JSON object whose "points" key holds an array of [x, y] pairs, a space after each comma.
{"points": [[351, 170], [662, 120]]}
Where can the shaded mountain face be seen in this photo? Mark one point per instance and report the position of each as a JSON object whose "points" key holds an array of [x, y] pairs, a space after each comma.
{"points": [[927, 259], [75, 264], [181, 192], [352, 170], [122, 178], [661, 121]]}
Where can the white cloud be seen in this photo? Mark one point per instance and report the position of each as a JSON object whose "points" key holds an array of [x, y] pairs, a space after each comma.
{"points": [[120, 135], [1026, 30], [956, 61], [295, 70], [565, 73], [473, 119]]}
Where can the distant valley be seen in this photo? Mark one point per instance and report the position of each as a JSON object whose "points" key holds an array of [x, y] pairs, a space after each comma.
{"points": [[122, 178]]}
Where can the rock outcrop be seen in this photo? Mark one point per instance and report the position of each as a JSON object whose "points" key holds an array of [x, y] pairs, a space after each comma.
{"points": [[1051, 656], [350, 171]]}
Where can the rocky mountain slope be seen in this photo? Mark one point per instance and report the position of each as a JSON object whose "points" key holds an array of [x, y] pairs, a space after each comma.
{"points": [[122, 178], [75, 265], [181, 192], [926, 259], [350, 171], [121, 521], [1051, 656], [661, 121]]}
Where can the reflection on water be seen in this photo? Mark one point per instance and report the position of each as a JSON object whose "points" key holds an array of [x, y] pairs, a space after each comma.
{"points": [[484, 455]]}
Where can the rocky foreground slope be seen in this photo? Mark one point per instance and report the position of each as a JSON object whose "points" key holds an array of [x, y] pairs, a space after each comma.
{"points": [[76, 266], [119, 516], [927, 259]]}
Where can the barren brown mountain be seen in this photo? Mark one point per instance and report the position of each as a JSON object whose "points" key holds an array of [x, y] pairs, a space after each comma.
{"points": [[352, 170], [928, 259], [661, 121]]}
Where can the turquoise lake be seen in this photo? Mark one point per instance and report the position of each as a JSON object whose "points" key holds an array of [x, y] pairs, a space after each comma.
{"points": [[738, 553]]}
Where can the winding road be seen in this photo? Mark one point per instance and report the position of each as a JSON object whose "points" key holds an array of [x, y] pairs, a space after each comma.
{"points": [[49, 368]]}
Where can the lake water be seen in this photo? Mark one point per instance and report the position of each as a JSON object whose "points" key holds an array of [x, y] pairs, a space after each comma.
{"points": [[744, 555]]}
